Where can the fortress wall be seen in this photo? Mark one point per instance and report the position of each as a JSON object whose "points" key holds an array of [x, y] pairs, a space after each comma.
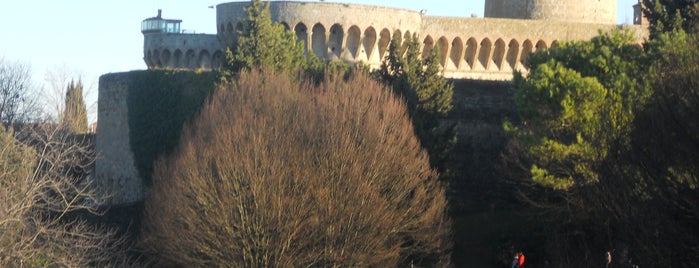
{"points": [[191, 51], [116, 176]]}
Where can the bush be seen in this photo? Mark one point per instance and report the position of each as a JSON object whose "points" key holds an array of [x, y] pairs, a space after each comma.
{"points": [[274, 173], [40, 192]]}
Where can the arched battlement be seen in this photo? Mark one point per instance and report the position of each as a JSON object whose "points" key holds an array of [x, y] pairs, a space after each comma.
{"points": [[475, 48]]}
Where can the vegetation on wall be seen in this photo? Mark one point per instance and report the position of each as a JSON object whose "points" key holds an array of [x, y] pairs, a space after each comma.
{"points": [[277, 173], [159, 104]]}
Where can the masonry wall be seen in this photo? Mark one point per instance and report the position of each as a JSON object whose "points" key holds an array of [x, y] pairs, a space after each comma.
{"points": [[116, 176], [583, 11]]}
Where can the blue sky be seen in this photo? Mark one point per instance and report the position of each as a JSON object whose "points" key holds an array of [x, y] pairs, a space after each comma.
{"points": [[88, 38]]}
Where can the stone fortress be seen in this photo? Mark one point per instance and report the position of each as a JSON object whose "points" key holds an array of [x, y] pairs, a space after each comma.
{"points": [[487, 48], [478, 49]]}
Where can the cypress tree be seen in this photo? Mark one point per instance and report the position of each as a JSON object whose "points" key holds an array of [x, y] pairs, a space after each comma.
{"points": [[75, 114]]}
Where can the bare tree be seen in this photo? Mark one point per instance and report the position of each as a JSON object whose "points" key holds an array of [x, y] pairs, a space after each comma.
{"points": [[43, 191], [16, 105]]}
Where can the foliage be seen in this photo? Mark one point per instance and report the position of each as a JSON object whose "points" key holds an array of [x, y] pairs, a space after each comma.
{"points": [[159, 103], [280, 173], [75, 114], [576, 105], [263, 43], [427, 93], [671, 15], [42, 184]]}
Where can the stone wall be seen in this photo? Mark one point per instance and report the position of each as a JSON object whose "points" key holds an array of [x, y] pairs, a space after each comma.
{"points": [[582, 11], [116, 176]]}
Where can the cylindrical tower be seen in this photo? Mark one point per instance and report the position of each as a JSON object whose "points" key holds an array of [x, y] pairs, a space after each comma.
{"points": [[583, 11]]}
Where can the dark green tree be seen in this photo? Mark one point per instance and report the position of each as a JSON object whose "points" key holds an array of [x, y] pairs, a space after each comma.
{"points": [[263, 43], [425, 90], [75, 114], [576, 106], [668, 15]]}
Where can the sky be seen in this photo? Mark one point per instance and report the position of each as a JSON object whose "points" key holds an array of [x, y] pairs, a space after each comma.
{"points": [[87, 38]]}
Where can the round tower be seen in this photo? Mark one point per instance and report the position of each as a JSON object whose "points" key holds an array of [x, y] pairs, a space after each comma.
{"points": [[583, 11]]}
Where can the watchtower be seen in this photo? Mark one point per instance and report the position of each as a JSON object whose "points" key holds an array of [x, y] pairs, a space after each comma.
{"points": [[582, 11]]}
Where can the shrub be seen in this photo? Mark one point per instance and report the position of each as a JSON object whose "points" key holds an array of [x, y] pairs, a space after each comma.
{"points": [[275, 173], [40, 190]]}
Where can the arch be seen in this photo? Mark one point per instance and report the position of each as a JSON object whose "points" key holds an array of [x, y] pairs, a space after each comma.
{"points": [[229, 28], [456, 53], [406, 37], [204, 60], [177, 59], [384, 41], [369, 42], [217, 60], [427, 45], [541, 45], [554, 44], [527, 48], [165, 58], [337, 35], [484, 53], [471, 52], [239, 27], [353, 41], [318, 44], [302, 35], [399, 38], [499, 53], [286, 25], [156, 58], [190, 59], [222, 29], [149, 59], [512, 54], [442, 50]]}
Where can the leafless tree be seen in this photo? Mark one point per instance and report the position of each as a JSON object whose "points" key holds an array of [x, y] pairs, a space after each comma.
{"points": [[42, 195], [16, 105]]}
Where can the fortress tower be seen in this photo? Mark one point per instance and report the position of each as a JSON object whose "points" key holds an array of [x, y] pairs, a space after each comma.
{"points": [[582, 11]]}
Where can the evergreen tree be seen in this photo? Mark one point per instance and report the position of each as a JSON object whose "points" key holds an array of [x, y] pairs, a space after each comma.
{"points": [[263, 43], [75, 114], [427, 93], [669, 15]]}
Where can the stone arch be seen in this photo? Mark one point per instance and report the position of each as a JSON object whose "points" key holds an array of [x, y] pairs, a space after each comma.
{"points": [[384, 41], [217, 60], [427, 45], [165, 57], [190, 59], [541, 45], [222, 29], [286, 25], [484, 53], [302, 35], [337, 35], [369, 42], [512, 54], [156, 58], [149, 59], [404, 46], [177, 59], [456, 53], [499, 53], [239, 27], [204, 60], [353, 41], [471, 52], [442, 51], [318, 40], [554, 44], [527, 49], [229, 29]]}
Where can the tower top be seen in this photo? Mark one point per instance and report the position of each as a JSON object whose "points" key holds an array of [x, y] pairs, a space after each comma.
{"points": [[583, 11], [159, 25]]}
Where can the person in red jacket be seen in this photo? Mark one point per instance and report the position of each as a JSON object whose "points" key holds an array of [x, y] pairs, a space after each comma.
{"points": [[521, 260]]}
